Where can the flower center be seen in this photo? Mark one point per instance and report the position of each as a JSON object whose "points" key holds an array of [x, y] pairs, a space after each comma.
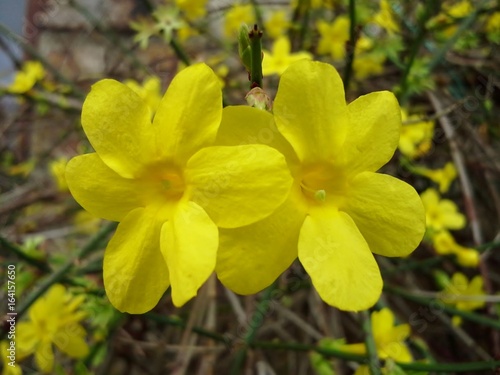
{"points": [[162, 182], [321, 183]]}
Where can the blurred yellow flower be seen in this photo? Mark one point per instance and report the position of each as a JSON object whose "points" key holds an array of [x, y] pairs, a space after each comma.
{"points": [[10, 367], [385, 18], [193, 9], [168, 186], [24, 80], [277, 61], [367, 62], [451, 12], [22, 169], [53, 319], [235, 16], [333, 37], [389, 338], [87, 223], [149, 91], [57, 170], [185, 32], [464, 295], [443, 176], [441, 213], [444, 243], [339, 211], [493, 23], [277, 24], [416, 138]]}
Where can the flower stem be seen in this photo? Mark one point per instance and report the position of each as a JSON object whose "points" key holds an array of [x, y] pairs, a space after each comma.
{"points": [[38, 263], [351, 44], [256, 67], [430, 9], [371, 348], [254, 324]]}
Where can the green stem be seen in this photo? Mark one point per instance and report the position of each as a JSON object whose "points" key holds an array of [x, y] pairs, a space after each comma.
{"points": [[40, 264], [257, 12], [172, 321], [432, 304], [371, 348], [254, 324], [179, 52], [256, 45], [429, 11], [414, 366], [465, 25], [351, 45]]}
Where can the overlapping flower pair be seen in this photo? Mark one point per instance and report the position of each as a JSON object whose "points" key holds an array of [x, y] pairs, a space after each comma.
{"points": [[243, 192]]}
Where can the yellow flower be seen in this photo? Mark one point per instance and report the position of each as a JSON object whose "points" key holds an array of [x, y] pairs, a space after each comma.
{"points": [[416, 138], [277, 24], [389, 339], [451, 12], [444, 243], [339, 210], [493, 23], [193, 9], [464, 295], [10, 365], [333, 37], [57, 169], [185, 32], [27, 77], [441, 213], [149, 91], [235, 16], [281, 58], [367, 62], [85, 222], [53, 319], [167, 187], [23, 169], [385, 18], [443, 176]]}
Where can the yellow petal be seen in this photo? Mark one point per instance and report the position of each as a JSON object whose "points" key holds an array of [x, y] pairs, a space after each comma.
{"points": [[310, 110], [336, 256], [99, 189], [71, 341], [26, 339], [135, 273], [450, 217], [243, 125], [44, 356], [189, 244], [189, 114], [250, 258], [117, 123], [382, 323], [383, 208], [374, 127], [238, 185]]}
